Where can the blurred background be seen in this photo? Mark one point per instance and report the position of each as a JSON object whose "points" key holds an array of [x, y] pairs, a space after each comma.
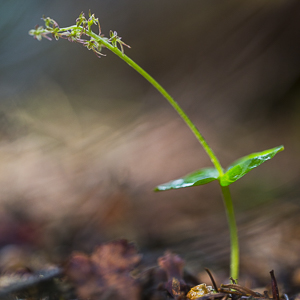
{"points": [[83, 141]]}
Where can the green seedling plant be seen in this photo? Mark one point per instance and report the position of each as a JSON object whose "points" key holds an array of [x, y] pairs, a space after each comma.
{"points": [[82, 33]]}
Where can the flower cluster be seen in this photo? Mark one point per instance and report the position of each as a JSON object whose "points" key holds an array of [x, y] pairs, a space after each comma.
{"points": [[92, 41]]}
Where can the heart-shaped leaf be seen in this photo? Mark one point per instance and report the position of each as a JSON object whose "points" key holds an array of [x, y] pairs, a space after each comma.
{"points": [[245, 164], [199, 177]]}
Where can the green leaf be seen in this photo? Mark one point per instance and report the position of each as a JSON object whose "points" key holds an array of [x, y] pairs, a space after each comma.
{"points": [[245, 164], [199, 177]]}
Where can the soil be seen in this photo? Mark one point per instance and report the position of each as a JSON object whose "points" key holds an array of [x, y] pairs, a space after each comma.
{"points": [[116, 270]]}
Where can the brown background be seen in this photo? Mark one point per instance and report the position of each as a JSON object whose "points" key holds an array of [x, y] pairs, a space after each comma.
{"points": [[84, 141]]}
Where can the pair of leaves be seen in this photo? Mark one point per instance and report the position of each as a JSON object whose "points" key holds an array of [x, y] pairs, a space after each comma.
{"points": [[234, 172]]}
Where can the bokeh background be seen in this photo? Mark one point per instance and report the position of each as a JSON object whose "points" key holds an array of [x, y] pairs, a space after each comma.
{"points": [[84, 140]]}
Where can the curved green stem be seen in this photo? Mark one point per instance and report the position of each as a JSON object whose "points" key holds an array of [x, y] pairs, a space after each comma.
{"points": [[234, 265]]}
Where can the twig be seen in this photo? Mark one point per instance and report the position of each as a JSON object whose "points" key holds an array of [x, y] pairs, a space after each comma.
{"points": [[275, 291], [241, 289], [212, 279]]}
